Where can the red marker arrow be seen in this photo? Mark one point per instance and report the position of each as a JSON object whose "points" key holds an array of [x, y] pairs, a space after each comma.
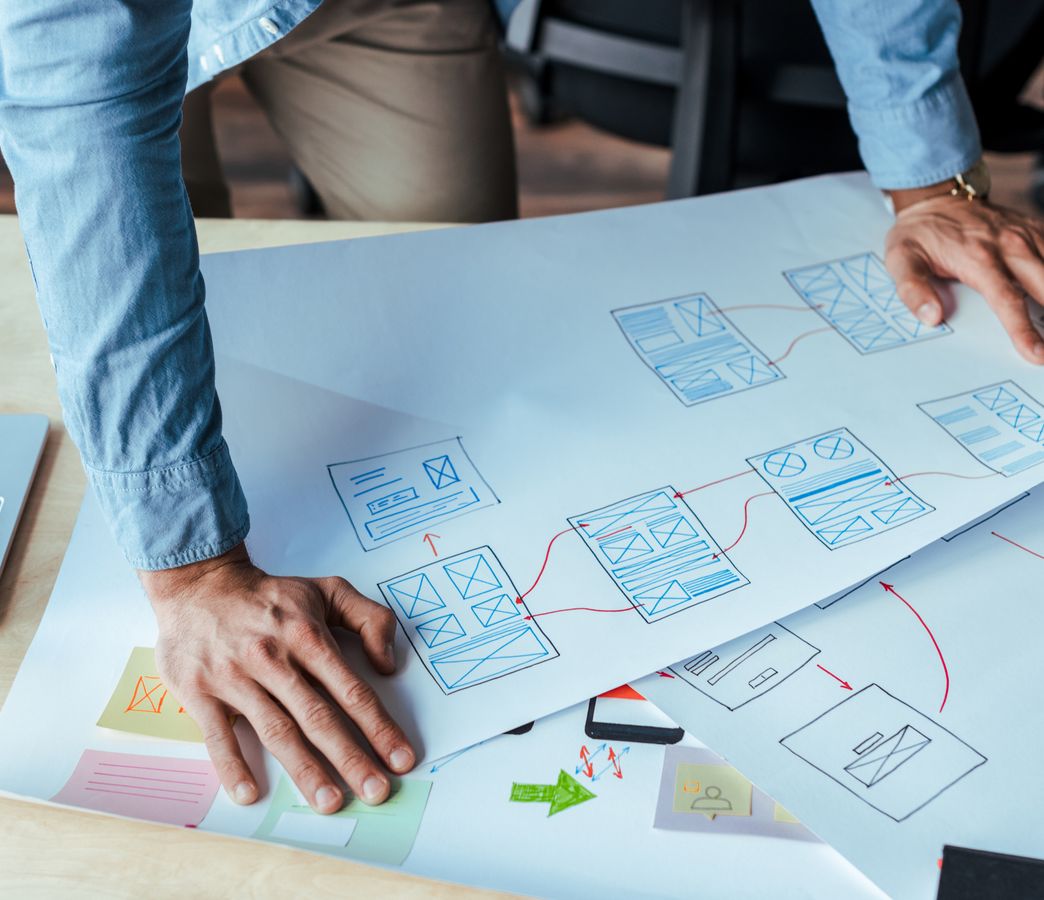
{"points": [[843, 684], [588, 767], [1016, 544], [796, 341], [746, 522], [680, 494], [547, 556], [946, 672], [428, 540], [664, 675], [900, 478]]}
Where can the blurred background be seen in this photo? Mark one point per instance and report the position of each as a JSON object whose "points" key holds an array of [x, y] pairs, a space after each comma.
{"points": [[617, 103]]}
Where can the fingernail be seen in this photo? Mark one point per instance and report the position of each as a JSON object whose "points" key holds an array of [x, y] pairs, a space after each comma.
{"points": [[401, 759], [1038, 350], [373, 787], [243, 793], [328, 799], [927, 313], [389, 651]]}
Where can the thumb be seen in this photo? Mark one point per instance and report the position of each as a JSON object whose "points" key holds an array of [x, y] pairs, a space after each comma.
{"points": [[913, 282], [373, 622]]}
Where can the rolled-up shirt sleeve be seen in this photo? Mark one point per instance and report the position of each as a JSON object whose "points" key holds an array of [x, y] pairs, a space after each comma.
{"points": [[897, 61], [90, 107]]}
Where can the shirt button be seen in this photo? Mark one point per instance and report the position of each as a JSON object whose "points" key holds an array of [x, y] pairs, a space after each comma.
{"points": [[219, 53], [204, 63], [268, 25]]}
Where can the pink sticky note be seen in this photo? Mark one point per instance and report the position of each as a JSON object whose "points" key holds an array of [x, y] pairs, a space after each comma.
{"points": [[155, 788]]}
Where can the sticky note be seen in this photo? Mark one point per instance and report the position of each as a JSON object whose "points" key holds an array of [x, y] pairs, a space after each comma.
{"points": [[711, 790], [155, 788], [333, 831], [380, 834], [142, 704], [781, 815]]}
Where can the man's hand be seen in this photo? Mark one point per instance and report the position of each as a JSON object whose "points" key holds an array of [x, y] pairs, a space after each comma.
{"points": [[233, 637], [996, 251]]}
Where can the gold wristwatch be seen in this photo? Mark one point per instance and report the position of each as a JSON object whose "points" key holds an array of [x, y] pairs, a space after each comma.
{"points": [[972, 184]]}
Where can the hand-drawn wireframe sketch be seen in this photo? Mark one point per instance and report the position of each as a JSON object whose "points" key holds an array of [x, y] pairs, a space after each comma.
{"points": [[463, 617], [694, 348], [748, 667], [840, 595], [838, 488], [393, 495], [658, 553], [857, 297], [975, 523], [884, 751], [1000, 425]]}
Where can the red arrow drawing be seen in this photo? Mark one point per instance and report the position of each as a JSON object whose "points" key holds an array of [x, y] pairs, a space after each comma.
{"points": [[547, 556], [806, 309], [588, 767], [746, 522], [551, 612], [615, 760], [946, 672], [680, 494], [664, 675], [1017, 544], [843, 684], [796, 341], [428, 539]]}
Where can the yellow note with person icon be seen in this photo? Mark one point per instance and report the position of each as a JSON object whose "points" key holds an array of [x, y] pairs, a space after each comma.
{"points": [[712, 790]]}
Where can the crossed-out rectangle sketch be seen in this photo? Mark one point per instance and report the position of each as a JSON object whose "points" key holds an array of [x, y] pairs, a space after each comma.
{"points": [[857, 297], [391, 496], [884, 751], [694, 349], [462, 617], [658, 553], [838, 488], [748, 667], [1000, 425]]}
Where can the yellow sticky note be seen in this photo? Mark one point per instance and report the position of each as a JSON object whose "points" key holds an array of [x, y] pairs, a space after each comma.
{"points": [[781, 815], [142, 704], [712, 790]]}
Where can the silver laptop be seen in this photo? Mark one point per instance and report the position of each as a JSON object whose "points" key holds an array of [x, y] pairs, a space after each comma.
{"points": [[21, 445]]}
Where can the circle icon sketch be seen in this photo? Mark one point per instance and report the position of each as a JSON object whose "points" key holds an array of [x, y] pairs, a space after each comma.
{"points": [[784, 464], [833, 447]]}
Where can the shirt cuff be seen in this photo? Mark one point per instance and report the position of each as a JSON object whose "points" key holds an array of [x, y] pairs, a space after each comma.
{"points": [[175, 515], [917, 144]]}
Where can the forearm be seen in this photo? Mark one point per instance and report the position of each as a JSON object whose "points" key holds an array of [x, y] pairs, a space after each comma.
{"points": [[90, 131]]}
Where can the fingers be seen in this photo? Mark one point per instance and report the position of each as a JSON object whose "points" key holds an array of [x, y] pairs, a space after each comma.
{"points": [[1024, 256], [1006, 299], [374, 623], [326, 729], [358, 700], [225, 753], [282, 738], [913, 282]]}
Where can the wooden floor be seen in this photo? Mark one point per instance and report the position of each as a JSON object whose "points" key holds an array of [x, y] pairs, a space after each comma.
{"points": [[565, 167]]}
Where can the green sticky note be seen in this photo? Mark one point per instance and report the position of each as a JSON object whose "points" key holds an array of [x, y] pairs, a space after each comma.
{"points": [[781, 815], [142, 704], [379, 834], [712, 790]]}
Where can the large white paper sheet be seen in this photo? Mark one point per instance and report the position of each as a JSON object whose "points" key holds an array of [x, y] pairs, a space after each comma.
{"points": [[529, 399], [934, 741]]}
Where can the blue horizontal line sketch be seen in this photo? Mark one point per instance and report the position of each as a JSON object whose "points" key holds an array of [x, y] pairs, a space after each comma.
{"points": [[1000, 425], [463, 619], [397, 494], [838, 489], [857, 297], [658, 553], [694, 348]]}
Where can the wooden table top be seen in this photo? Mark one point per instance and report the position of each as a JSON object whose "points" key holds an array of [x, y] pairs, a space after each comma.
{"points": [[45, 851]]}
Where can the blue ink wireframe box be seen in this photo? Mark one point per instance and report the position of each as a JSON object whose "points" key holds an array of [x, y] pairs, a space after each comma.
{"points": [[658, 552], [694, 349], [462, 617], [857, 297], [1000, 425], [394, 495], [838, 488]]}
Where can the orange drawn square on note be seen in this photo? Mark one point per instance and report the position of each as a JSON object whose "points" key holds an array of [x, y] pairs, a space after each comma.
{"points": [[149, 694]]}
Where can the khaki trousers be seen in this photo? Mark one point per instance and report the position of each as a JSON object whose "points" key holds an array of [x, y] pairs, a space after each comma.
{"points": [[394, 110]]}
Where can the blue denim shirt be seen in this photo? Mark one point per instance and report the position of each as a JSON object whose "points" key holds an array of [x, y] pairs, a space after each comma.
{"points": [[90, 99]]}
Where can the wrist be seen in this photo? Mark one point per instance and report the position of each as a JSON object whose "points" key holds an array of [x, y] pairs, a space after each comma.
{"points": [[162, 585], [972, 184]]}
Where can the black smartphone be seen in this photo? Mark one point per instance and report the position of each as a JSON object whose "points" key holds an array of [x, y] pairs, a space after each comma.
{"points": [[624, 715]]}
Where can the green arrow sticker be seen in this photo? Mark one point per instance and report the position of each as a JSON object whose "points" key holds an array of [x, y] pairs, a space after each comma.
{"points": [[566, 792]]}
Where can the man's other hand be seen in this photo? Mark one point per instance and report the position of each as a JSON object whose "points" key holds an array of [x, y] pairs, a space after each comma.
{"points": [[232, 637], [996, 251]]}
